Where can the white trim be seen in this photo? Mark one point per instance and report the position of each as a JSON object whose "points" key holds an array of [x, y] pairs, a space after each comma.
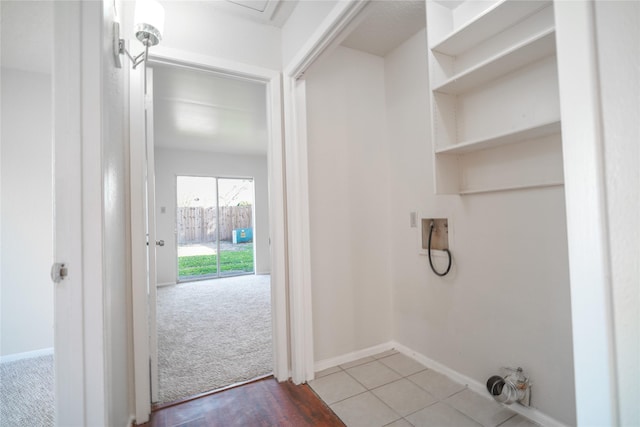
{"points": [[162, 285], [298, 233], [328, 32], [137, 155], [353, 356], [587, 226], [70, 393], [151, 237], [161, 54], [26, 355], [299, 255], [530, 413], [92, 214], [272, 80]]}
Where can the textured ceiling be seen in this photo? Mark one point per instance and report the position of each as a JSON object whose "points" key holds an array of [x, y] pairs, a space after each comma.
{"points": [[195, 110], [386, 25]]}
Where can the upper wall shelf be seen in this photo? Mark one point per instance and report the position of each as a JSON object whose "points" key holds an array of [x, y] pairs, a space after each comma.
{"points": [[493, 21], [512, 137], [533, 49]]}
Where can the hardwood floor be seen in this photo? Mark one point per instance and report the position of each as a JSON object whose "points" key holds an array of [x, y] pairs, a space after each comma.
{"points": [[262, 403]]}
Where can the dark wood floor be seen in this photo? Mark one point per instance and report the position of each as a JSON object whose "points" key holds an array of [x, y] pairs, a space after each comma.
{"points": [[262, 403]]}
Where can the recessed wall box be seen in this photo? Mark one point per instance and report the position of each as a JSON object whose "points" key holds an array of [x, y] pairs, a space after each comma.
{"points": [[440, 237]]}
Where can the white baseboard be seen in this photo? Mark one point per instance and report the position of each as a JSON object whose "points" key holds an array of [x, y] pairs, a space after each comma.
{"points": [[26, 355], [527, 412], [350, 357], [132, 420], [160, 285]]}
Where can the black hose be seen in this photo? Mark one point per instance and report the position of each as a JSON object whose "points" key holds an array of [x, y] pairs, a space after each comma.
{"points": [[431, 262]]}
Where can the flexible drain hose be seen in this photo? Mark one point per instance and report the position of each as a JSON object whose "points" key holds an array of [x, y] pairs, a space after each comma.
{"points": [[429, 251]]}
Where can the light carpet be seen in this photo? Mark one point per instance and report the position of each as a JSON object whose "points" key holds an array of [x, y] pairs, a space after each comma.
{"points": [[212, 334], [26, 392]]}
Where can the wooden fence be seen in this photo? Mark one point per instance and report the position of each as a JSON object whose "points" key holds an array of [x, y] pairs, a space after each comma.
{"points": [[198, 225]]}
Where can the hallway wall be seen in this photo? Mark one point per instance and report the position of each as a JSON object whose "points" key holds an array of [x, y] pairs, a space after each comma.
{"points": [[27, 212], [348, 193]]}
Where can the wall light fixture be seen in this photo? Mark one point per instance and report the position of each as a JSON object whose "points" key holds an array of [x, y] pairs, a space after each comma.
{"points": [[149, 26]]}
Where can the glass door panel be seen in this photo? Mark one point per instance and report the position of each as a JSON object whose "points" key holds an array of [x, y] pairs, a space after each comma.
{"points": [[196, 225], [235, 205]]}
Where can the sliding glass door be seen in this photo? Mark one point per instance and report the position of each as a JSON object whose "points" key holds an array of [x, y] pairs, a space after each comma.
{"points": [[214, 223]]}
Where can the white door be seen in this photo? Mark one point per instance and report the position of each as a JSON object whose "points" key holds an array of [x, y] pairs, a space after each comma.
{"points": [[143, 240], [151, 233]]}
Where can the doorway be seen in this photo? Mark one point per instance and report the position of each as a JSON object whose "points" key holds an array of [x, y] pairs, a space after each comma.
{"points": [[209, 137], [274, 226], [214, 227]]}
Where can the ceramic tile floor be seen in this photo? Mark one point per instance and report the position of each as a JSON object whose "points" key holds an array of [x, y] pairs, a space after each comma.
{"points": [[391, 389]]}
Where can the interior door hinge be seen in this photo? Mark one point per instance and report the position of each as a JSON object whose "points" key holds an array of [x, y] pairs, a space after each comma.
{"points": [[58, 272]]}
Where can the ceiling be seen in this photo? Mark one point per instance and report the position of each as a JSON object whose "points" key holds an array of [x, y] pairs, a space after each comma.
{"points": [[385, 25], [201, 111], [195, 110]]}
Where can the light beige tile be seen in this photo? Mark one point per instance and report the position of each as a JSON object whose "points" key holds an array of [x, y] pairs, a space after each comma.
{"points": [[484, 410], [385, 354], [402, 364], [518, 421], [404, 397], [440, 415], [400, 423], [364, 410], [357, 362], [327, 371], [336, 387], [373, 374], [437, 384]]}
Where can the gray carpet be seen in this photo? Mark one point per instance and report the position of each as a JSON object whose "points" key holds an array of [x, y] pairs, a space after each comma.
{"points": [[26, 392], [212, 334]]}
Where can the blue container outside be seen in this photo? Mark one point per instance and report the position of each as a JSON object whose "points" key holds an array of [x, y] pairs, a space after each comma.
{"points": [[242, 235]]}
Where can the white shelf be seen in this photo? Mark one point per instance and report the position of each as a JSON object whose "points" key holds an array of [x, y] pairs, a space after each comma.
{"points": [[533, 49], [533, 132], [512, 188], [493, 21]]}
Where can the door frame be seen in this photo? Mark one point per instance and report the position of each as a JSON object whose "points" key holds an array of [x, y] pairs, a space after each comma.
{"points": [[330, 33], [253, 210], [81, 385], [277, 218]]}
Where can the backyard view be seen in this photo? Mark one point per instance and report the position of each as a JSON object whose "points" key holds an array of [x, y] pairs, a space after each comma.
{"points": [[215, 227], [238, 260]]}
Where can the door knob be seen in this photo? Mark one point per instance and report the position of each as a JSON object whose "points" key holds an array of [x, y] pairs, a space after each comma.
{"points": [[159, 242]]}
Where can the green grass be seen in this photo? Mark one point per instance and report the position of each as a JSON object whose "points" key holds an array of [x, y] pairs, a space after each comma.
{"points": [[204, 265]]}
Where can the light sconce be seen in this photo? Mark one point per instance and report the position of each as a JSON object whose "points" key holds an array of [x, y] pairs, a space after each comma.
{"points": [[149, 26]]}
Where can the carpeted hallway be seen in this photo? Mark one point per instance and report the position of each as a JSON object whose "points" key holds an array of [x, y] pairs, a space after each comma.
{"points": [[213, 333], [27, 392]]}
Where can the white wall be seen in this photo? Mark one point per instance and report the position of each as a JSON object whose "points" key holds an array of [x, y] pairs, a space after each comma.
{"points": [[171, 163], [198, 26], [618, 30], [506, 301], [27, 212], [348, 193], [304, 20]]}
